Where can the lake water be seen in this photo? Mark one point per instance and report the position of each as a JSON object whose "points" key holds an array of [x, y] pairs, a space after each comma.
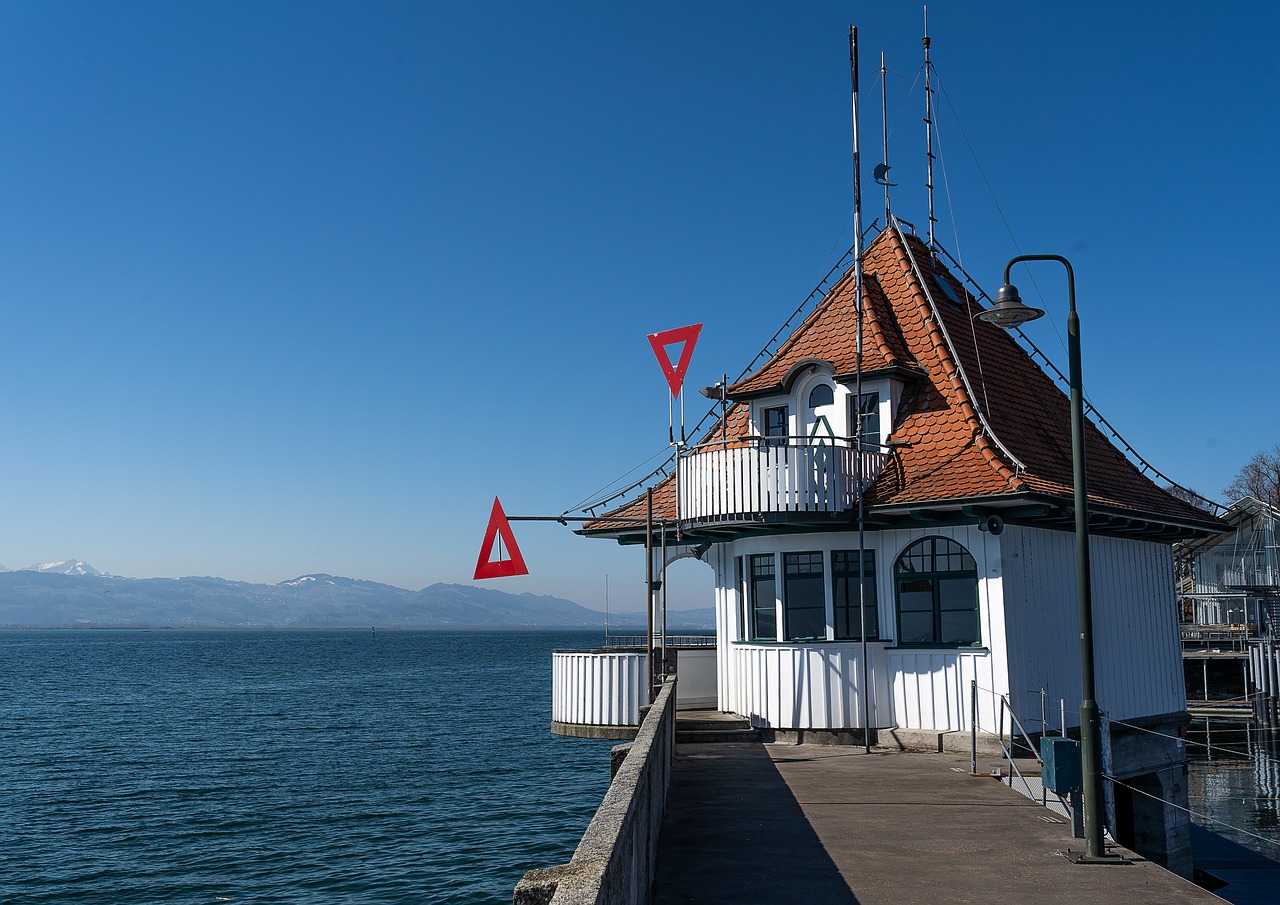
{"points": [[339, 767], [1234, 782], [264, 767]]}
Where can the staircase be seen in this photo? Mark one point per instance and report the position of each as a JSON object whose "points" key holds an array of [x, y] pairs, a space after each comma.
{"points": [[710, 727]]}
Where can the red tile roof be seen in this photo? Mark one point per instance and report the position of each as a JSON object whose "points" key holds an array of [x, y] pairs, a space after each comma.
{"points": [[980, 417]]}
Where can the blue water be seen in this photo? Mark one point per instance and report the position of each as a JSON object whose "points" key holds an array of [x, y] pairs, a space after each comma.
{"points": [[1234, 782], [263, 767]]}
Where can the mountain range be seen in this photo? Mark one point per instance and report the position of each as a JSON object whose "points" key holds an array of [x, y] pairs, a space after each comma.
{"points": [[72, 593]]}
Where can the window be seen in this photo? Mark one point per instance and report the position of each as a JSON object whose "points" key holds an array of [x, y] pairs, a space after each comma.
{"points": [[804, 597], [948, 290], [763, 598], [866, 406], [936, 584], [822, 394], [774, 424], [741, 599], [844, 589]]}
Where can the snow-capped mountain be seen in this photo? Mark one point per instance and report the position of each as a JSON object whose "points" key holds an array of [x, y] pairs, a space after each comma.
{"points": [[66, 567]]}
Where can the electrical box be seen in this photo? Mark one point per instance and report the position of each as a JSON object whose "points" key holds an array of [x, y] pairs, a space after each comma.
{"points": [[1061, 757]]}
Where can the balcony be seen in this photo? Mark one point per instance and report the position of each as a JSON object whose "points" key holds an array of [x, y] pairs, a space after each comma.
{"points": [[1251, 576], [783, 480]]}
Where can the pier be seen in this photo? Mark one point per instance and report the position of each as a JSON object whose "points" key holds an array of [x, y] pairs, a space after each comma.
{"points": [[810, 823], [702, 811]]}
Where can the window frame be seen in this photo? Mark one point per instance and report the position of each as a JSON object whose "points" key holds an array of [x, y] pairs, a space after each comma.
{"points": [[755, 581], [848, 575], [798, 574], [857, 416], [768, 430], [936, 577]]}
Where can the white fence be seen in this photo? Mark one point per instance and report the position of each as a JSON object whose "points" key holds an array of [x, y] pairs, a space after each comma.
{"points": [[737, 482]]}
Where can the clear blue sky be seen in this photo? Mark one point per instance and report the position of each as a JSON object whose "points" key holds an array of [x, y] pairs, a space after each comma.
{"points": [[294, 287]]}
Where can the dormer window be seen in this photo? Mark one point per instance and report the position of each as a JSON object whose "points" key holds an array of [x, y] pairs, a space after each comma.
{"points": [[866, 407], [773, 425]]}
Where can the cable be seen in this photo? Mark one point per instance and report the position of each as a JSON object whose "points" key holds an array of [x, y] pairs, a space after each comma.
{"points": [[1204, 817]]}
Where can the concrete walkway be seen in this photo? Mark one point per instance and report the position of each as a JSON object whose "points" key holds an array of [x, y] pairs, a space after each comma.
{"points": [[834, 826]]}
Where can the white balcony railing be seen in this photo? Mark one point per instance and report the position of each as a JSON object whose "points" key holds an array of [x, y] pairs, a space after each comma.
{"points": [[745, 482]]}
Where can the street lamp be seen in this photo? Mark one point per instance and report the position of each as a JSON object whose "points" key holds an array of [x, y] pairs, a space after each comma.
{"points": [[1009, 311]]}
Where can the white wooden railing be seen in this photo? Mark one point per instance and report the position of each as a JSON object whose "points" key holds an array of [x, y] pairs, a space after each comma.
{"points": [[742, 482]]}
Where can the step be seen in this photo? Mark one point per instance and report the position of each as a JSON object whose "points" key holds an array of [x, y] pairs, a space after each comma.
{"points": [[710, 724], [717, 736]]}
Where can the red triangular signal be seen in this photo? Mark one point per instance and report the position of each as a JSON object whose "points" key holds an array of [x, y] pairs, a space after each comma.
{"points": [[659, 341], [499, 568]]}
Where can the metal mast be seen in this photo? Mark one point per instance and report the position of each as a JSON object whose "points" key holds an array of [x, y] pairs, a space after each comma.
{"points": [[857, 406], [928, 126], [884, 126]]}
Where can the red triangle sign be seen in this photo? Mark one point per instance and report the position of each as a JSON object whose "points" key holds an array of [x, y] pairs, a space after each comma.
{"points": [[499, 568], [659, 341]]}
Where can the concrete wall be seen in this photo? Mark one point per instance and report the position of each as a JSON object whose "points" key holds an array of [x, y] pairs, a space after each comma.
{"points": [[696, 667], [614, 862]]}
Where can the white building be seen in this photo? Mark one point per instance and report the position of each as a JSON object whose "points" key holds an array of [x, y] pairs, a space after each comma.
{"points": [[968, 559]]}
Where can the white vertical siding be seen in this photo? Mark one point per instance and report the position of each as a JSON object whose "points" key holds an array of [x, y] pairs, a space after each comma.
{"points": [[595, 688], [815, 686], [1137, 659], [819, 686]]}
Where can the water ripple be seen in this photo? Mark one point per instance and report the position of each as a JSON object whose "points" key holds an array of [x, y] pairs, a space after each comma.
{"points": [[285, 767]]}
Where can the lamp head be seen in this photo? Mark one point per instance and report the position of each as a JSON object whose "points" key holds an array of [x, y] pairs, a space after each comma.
{"points": [[1008, 311]]}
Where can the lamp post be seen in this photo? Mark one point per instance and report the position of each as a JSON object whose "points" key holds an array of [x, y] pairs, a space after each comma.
{"points": [[1007, 312]]}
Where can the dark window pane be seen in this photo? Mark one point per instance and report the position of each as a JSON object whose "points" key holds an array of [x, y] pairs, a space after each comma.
{"points": [[959, 627], [821, 395], [957, 594], [806, 624], [916, 628], [766, 627]]}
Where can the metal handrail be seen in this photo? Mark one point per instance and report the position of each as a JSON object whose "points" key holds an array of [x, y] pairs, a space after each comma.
{"points": [[1005, 705]]}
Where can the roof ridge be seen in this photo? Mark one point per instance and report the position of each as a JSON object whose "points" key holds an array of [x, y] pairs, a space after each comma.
{"points": [[954, 378], [875, 327]]}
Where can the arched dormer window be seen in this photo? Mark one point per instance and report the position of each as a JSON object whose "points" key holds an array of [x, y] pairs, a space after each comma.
{"points": [[822, 394], [936, 588]]}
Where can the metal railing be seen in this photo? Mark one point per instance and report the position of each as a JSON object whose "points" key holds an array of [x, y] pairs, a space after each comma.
{"points": [[638, 641], [774, 476], [1008, 748]]}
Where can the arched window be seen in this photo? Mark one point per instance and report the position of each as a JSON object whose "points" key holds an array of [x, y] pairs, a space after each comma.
{"points": [[821, 395], [936, 586]]}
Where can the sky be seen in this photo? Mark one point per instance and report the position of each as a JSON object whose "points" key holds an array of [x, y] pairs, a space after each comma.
{"points": [[301, 287]]}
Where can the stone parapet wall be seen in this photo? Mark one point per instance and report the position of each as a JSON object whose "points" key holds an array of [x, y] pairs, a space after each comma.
{"points": [[614, 861]]}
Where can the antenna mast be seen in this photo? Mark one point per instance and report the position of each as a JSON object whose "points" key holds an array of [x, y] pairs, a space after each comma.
{"points": [[884, 125], [857, 407], [928, 126]]}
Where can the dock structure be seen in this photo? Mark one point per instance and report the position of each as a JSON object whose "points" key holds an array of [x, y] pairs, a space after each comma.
{"points": [[832, 825]]}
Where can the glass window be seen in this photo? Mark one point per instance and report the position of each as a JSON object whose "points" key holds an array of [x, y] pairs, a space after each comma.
{"points": [[740, 597], [763, 597], [936, 586], [775, 425], [804, 596], [822, 394], [866, 406], [844, 588]]}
